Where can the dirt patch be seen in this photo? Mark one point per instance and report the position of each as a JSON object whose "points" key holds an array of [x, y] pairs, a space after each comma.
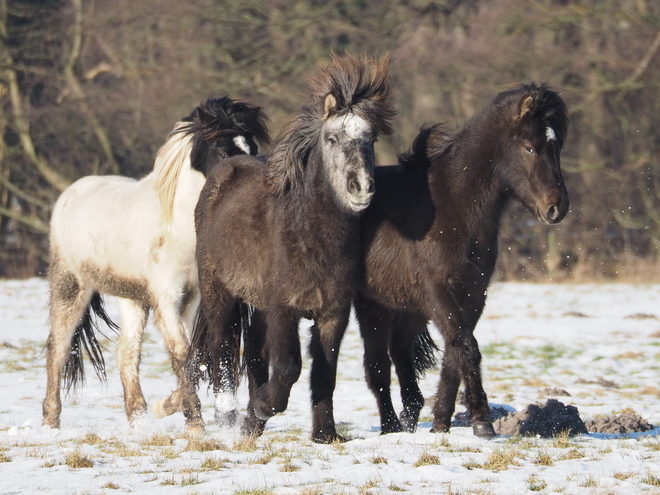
{"points": [[545, 420], [463, 418], [622, 423], [553, 392], [601, 381]]}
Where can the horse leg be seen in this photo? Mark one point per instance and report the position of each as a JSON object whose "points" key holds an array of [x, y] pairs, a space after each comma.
{"points": [[134, 318], [327, 333], [256, 359], [283, 344], [68, 300], [177, 343], [461, 361], [173, 403], [375, 323], [406, 328]]}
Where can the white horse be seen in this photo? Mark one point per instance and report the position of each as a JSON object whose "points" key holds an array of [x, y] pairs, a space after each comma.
{"points": [[135, 239]]}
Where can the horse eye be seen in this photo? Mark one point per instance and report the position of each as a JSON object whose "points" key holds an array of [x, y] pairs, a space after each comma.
{"points": [[332, 139], [223, 156], [530, 150]]}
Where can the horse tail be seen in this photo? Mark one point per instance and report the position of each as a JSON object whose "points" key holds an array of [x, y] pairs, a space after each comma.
{"points": [[84, 342], [204, 361], [424, 353]]}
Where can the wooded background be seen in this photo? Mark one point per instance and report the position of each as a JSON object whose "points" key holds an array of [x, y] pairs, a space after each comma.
{"points": [[94, 86]]}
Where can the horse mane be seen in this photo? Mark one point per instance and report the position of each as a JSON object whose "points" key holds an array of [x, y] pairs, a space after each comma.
{"points": [[429, 145], [361, 87], [210, 120], [545, 105]]}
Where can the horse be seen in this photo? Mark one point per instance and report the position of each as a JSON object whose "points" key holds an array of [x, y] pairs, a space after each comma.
{"points": [[281, 235], [135, 239], [430, 247]]}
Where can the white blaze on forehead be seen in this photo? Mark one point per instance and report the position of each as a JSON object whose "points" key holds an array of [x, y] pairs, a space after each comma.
{"points": [[242, 144], [355, 126], [550, 133]]}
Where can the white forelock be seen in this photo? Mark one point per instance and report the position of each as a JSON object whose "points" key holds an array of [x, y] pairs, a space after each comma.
{"points": [[242, 144], [550, 133], [355, 126]]}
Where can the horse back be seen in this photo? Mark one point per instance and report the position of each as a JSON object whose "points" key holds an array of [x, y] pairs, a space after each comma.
{"points": [[234, 219]]}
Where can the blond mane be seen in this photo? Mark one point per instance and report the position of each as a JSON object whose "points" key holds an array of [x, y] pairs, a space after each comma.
{"points": [[170, 160]]}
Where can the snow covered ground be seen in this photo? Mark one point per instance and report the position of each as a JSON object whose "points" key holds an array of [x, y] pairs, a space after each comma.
{"points": [[599, 343]]}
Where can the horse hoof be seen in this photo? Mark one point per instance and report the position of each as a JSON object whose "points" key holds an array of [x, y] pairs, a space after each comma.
{"points": [[408, 422], [391, 427], [439, 429], [252, 427], [159, 409], [327, 438], [483, 430], [226, 419], [194, 430], [53, 424]]}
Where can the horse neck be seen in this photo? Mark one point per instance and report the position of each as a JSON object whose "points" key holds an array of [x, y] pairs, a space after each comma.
{"points": [[463, 181], [313, 201]]}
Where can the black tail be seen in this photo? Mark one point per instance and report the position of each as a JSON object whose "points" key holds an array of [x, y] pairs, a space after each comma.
{"points": [[204, 359], [425, 353], [84, 338]]}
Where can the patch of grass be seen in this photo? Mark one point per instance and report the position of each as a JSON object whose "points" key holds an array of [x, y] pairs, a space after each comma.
{"points": [[202, 445], [427, 459], [76, 460], [289, 467], [254, 491], [501, 459], [159, 440], [91, 439], [189, 480], [111, 486], [562, 440], [621, 476], [4, 457], [651, 479], [213, 464], [536, 484], [169, 454], [379, 459], [590, 482], [246, 444], [572, 454], [544, 459], [396, 488]]}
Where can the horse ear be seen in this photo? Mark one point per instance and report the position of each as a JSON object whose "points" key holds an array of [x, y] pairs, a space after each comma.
{"points": [[204, 117], [525, 105], [330, 105]]}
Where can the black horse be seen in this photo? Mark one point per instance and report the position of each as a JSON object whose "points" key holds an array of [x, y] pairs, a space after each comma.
{"points": [[430, 246], [282, 235]]}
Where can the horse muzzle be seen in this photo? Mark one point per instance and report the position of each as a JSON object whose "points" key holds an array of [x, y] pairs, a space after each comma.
{"points": [[554, 212], [360, 192]]}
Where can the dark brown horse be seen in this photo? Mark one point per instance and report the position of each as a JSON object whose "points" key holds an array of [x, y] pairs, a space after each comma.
{"points": [[282, 235], [430, 241]]}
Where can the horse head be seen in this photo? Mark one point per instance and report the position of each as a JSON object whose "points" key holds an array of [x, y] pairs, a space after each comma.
{"points": [[222, 128], [540, 121], [351, 105]]}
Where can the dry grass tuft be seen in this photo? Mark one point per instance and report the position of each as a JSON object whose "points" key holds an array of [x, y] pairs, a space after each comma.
{"points": [[76, 460], [159, 440], [501, 459], [427, 459], [201, 445]]}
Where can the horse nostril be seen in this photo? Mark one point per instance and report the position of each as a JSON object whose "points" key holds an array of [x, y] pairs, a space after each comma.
{"points": [[353, 186], [372, 187], [552, 213]]}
